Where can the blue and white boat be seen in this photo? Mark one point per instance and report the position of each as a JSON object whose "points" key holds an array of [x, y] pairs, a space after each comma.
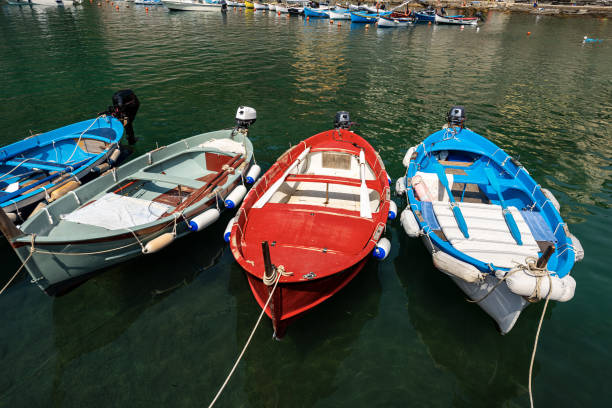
{"points": [[321, 12], [48, 165], [489, 226], [149, 2], [425, 16], [367, 18]]}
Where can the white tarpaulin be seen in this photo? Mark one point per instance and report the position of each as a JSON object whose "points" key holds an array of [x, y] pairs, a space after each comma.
{"points": [[225, 145], [113, 212]]}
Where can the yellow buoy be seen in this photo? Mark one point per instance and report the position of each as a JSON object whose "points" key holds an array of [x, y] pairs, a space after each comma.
{"points": [[158, 243], [62, 190]]}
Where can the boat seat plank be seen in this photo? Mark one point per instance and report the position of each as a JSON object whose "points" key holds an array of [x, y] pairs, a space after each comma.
{"points": [[165, 178], [316, 178], [490, 239]]}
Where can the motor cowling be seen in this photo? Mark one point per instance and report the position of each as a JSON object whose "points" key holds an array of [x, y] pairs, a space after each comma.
{"points": [[456, 116], [245, 117], [342, 120], [125, 107]]}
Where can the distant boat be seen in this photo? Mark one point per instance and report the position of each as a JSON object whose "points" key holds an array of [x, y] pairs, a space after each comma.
{"points": [[42, 167], [149, 2], [456, 20], [322, 12], [366, 18], [392, 21], [339, 14], [65, 3], [138, 209], [260, 6], [488, 225], [425, 16], [249, 4], [195, 5], [322, 208]]}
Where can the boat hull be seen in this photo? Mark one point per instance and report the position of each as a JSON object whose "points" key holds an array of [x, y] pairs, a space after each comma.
{"points": [[315, 13], [290, 300]]}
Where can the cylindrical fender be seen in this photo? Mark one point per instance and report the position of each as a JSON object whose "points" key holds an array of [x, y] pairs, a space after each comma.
{"points": [[392, 210], [199, 222], [382, 249], [548, 194], [235, 197], [101, 168], [454, 267], [400, 186], [60, 191], [228, 230], [523, 284], [112, 159], [253, 173], [408, 155], [409, 222], [578, 250], [158, 243]]}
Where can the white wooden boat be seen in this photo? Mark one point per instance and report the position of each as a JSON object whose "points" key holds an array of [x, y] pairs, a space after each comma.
{"points": [[194, 5]]}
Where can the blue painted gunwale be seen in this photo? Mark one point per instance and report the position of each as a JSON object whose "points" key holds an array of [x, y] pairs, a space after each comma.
{"points": [[310, 12], [513, 179], [55, 150]]}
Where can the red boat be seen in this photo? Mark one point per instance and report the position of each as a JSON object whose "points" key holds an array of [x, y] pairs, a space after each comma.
{"points": [[322, 208]]}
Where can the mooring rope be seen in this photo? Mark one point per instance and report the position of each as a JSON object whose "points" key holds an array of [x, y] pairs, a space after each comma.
{"points": [[20, 268], [532, 269], [278, 272]]}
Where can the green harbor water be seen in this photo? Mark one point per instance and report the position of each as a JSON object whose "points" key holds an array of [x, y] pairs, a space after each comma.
{"points": [[164, 330]]}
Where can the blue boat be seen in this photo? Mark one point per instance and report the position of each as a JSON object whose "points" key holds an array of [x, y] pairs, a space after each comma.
{"points": [[316, 13], [48, 165], [425, 16], [489, 226], [366, 18]]}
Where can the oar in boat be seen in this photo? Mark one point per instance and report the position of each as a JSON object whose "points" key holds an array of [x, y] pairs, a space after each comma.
{"points": [[270, 192], [516, 234], [456, 210], [364, 198], [205, 189]]}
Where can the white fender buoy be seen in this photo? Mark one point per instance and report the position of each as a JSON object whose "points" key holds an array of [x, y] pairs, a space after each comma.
{"points": [[392, 210], [452, 266], [235, 197], [199, 222], [400, 186], [578, 250], [382, 249], [114, 156], [548, 194], [158, 243], [523, 284], [410, 224], [253, 173], [408, 155], [228, 230]]}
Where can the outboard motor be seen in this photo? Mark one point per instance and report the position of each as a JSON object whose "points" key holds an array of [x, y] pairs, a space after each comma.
{"points": [[456, 116], [245, 117], [342, 120], [125, 106]]}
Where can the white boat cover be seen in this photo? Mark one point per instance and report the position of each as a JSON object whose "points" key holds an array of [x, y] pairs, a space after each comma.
{"points": [[114, 212], [436, 189], [490, 239], [225, 145]]}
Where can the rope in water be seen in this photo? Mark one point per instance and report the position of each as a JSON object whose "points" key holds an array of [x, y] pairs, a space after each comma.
{"points": [[280, 271]]}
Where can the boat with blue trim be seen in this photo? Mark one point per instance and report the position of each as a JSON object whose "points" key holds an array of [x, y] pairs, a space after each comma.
{"points": [[320, 12], [367, 18], [42, 167], [195, 5], [489, 226]]}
